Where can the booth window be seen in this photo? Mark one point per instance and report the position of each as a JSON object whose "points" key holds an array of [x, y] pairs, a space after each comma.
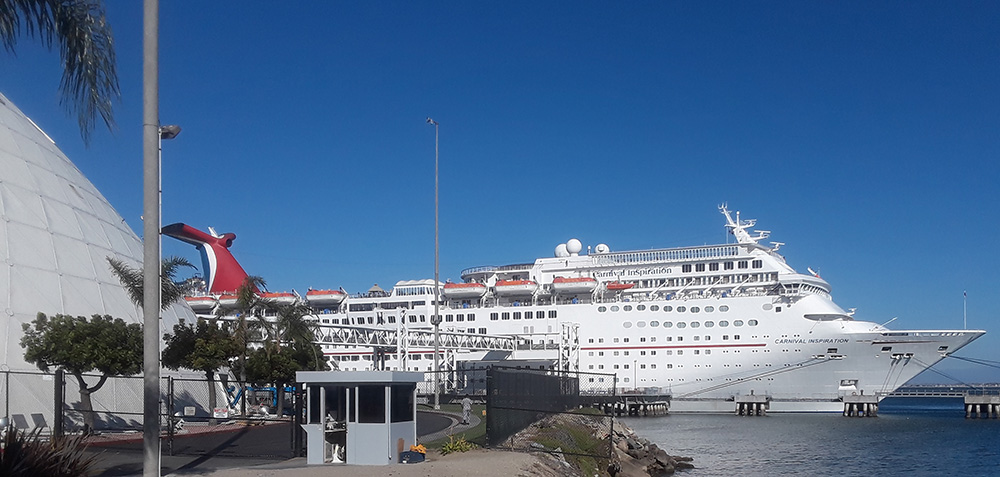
{"points": [[371, 404], [402, 403]]}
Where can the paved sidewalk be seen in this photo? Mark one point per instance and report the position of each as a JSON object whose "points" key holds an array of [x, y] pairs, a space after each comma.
{"points": [[455, 427]]}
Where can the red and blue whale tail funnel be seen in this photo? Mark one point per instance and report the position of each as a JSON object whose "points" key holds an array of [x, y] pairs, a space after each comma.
{"points": [[222, 272]]}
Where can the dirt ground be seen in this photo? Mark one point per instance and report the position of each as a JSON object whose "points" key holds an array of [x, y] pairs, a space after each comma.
{"points": [[472, 463]]}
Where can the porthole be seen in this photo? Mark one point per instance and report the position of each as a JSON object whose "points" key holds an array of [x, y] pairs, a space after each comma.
{"points": [[682, 324], [654, 323], [627, 324], [738, 323], [681, 309], [654, 308], [724, 308], [640, 307], [640, 324], [695, 309], [695, 324], [752, 322], [723, 323], [614, 308], [602, 309], [766, 307], [709, 324], [668, 308], [709, 309], [668, 324], [627, 308]]}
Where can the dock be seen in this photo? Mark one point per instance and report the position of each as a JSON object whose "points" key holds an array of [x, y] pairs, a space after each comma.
{"points": [[861, 405], [983, 406], [752, 405]]}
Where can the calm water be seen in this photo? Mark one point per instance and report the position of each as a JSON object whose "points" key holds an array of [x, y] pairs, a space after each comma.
{"points": [[911, 436]]}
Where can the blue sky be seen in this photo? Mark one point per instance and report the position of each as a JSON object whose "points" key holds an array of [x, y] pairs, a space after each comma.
{"points": [[864, 136]]}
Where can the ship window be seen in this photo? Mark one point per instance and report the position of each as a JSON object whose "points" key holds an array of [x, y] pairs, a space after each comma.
{"points": [[695, 309], [766, 306], [713, 267], [777, 309], [699, 267], [680, 352], [600, 340], [668, 324], [686, 268], [602, 309], [615, 340], [668, 308], [725, 337], [482, 331], [654, 323], [738, 323], [472, 317], [681, 309], [614, 308], [724, 308], [528, 315], [752, 322], [831, 350], [640, 307], [757, 264], [742, 264], [552, 313], [640, 324], [697, 338], [682, 324], [670, 352], [459, 317], [627, 324], [627, 308], [695, 324], [449, 317], [654, 308], [670, 338], [505, 315], [942, 348], [413, 318], [697, 351], [709, 309], [727, 265], [709, 324], [886, 349], [670, 366], [517, 315]]}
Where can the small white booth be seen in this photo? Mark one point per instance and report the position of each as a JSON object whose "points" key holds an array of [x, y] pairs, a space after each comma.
{"points": [[359, 417]]}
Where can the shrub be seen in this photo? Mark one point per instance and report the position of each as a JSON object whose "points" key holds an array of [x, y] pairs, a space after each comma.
{"points": [[457, 445], [25, 454]]}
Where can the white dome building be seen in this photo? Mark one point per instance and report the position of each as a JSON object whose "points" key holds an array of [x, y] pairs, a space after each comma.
{"points": [[56, 232]]}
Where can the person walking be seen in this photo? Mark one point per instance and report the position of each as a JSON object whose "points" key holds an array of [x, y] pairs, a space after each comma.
{"points": [[466, 409]]}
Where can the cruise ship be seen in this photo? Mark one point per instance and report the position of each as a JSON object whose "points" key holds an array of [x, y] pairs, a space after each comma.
{"points": [[703, 324]]}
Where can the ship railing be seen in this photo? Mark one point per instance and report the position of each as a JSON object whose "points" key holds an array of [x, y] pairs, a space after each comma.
{"points": [[667, 255], [490, 268]]}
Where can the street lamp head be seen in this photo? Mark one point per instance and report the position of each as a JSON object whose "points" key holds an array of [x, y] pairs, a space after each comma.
{"points": [[432, 122], [169, 132]]}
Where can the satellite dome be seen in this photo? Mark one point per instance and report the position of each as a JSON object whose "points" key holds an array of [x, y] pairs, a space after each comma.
{"points": [[574, 246], [602, 248], [561, 251]]}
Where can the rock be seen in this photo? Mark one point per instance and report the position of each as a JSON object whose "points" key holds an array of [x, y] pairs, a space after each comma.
{"points": [[684, 465]]}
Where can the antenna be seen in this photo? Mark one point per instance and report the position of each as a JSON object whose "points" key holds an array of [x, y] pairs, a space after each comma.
{"points": [[890, 321]]}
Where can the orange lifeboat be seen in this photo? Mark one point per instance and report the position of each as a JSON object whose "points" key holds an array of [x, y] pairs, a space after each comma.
{"points": [[619, 286], [464, 290], [227, 300], [515, 287], [322, 298], [201, 304], [574, 285]]}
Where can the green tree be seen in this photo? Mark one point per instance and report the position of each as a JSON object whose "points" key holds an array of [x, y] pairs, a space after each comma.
{"points": [[131, 278], [205, 347], [90, 81], [103, 344]]}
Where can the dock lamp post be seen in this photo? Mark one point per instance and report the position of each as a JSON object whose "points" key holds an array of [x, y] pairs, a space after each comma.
{"points": [[436, 319]]}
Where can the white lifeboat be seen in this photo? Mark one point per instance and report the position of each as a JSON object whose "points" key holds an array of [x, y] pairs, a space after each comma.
{"points": [[574, 285], [201, 303], [464, 290], [227, 300], [323, 298], [281, 298], [515, 287]]}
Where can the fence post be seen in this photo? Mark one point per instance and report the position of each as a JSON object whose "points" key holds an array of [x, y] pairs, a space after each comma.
{"points": [[59, 403], [297, 420], [170, 415], [489, 405]]}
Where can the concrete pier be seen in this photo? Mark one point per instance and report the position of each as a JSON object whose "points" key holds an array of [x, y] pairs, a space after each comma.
{"points": [[985, 407], [752, 405], [861, 406]]}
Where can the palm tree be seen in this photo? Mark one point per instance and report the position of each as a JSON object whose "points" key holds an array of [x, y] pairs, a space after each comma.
{"points": [[248, 302], [131, 279], [90, 80]]}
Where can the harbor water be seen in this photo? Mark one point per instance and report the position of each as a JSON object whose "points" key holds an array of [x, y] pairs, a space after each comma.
{"points": [[910, 436]]}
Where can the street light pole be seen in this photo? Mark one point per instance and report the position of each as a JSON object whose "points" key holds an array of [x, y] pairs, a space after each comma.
{"points": [[436, 319], [150, 241]]}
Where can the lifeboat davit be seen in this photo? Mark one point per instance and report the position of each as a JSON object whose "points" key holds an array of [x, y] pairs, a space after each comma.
{"points": [[515, 287], [464, 290], [323, 298], [619, 286], [202, 303], [281, 298], [574, 285]]}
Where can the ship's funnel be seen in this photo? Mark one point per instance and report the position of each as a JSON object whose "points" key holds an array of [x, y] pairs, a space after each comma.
{"points": [[222, 272]]}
